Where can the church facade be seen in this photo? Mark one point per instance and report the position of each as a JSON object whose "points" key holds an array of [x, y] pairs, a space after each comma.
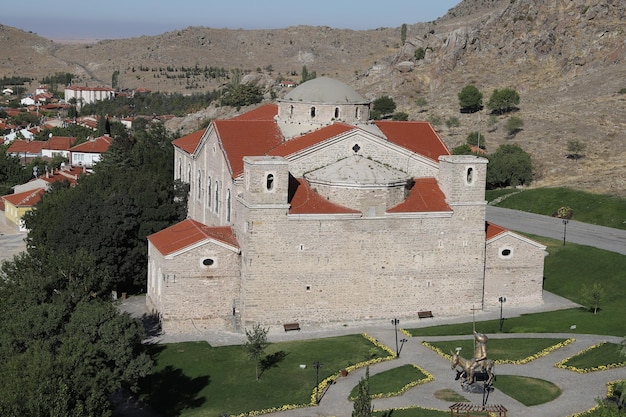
{"points": [[307, 211]]}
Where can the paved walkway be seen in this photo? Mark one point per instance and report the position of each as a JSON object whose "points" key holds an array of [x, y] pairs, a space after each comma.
{"points": [[579, 390]]}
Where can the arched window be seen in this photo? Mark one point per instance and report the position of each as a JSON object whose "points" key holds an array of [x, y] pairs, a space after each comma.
{"points": [[469, 178], [209, 196], [269, 182], [217, 197], [180, 168], [199, 185], [336, 112], [291, 111], [188, 179], [312, 112], [228, 206], [357, 113]]}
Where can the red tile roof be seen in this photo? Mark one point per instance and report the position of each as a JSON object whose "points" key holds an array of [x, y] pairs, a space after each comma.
{"points": [[189, 143], [25, 146], [419, 137], [60, 143], [264, 112], [246, 138], [97, 145], [306, 201], [26, 199], [494, 230], [425, 196], [309, 139], [188, 233]]}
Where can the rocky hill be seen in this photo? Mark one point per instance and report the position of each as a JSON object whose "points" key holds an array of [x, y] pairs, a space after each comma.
{"points": [[566, 58]]}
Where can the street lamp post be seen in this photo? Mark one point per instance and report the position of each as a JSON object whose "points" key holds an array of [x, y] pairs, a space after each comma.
{"points": [[395, 326], [502, 301], [317, 365], [565, 221], [402, 342]]}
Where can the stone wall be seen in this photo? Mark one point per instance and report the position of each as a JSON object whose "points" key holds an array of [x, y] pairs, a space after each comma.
{"points": [[516, 274]]}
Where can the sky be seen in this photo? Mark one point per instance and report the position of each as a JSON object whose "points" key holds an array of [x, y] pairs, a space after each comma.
{"points": [[113, 19]]}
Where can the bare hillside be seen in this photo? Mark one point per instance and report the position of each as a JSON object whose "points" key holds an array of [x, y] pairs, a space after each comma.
{"points": [[566, 58]]}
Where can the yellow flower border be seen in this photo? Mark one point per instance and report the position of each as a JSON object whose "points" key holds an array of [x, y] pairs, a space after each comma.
{"points": [[523, 361], [562, 364]]}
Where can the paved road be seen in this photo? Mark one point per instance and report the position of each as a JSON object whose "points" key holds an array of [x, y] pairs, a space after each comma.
{"points": [[576, 232]]}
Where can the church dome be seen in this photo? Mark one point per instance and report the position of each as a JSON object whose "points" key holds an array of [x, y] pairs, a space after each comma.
{"points": [[325, 90]]}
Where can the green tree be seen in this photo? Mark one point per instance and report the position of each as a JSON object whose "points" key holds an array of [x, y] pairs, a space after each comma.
{"points": [[362, 406], [256, 342], [241, 95], [476, 139], [513, 125], [401, 116], [464, 149], [65, 347], [419, 53], [503, 101], [509, 166], [115, 79], [403, 33], [591, 296], [382, 107], [306, 76], [470, 99], [575, 148], [130, 195]]}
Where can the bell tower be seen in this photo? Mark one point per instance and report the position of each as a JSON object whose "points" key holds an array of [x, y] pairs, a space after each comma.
{"points": [[266, 181]]}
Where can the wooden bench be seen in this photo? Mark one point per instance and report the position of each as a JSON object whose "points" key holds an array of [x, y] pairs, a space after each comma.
{"points": [[425, 314], [291, 326]]}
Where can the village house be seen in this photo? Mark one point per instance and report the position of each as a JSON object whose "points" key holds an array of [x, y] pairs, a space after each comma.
{"points": [[306, 211], [88, 153]]}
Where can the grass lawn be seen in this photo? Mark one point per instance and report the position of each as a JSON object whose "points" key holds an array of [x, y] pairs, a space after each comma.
{"points": [[392, 382], [195, 379], [602, 355], [501, 350], [604, 210], [528, 391]]}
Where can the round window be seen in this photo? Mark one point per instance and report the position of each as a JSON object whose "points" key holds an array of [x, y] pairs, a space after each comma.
{"points": [[506, 252], [208, 262]]}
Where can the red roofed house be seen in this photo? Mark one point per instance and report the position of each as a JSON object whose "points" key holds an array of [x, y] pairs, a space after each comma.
{"points": [[18, 204], [306, 211], [87, 154]]}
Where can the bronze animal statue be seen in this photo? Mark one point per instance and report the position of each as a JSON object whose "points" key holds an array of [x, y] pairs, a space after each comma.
{"points": [[471, 368]]}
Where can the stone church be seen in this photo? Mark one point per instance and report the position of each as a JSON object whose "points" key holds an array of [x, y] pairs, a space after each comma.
{"points": [[307, 211]]}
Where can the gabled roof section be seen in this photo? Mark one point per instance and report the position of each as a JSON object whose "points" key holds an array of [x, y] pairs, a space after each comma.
{"points": [[494, 232], [265, 112], [425, 196], [59, 143], [304, 200], [26, 146], [98, 145], [26, 199], [190, 142], [190, 233], [309, 139], [241, 138], [419, 137]]}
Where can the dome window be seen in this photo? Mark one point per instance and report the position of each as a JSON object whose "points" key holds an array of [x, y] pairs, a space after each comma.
{"points": [[336, 112], [312, 112]]}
